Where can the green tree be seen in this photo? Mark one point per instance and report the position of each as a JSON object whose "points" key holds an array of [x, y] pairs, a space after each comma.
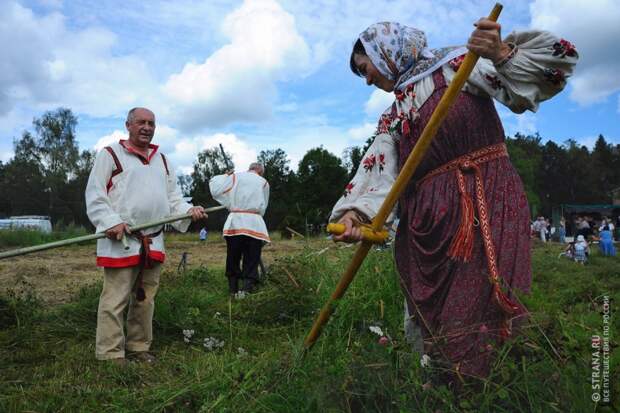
{"points": [[56, 144], [353, 155], [281, 181], [525, 154], [551, 177], [321, 178], [210, 162], [604, 176], [185, 183], [51, 155], [73, 191], [580, 178], [23, 188]]}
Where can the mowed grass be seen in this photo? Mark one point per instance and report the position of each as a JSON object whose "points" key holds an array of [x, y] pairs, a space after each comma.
{"points": [[47, 354]]}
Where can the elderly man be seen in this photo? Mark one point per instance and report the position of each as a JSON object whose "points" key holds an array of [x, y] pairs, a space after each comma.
{"points": [[131, 183], [246, 196]]}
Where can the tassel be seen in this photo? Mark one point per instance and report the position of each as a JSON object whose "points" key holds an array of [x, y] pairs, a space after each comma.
{"points": [[505, 303], [405, 127], [140, 294], [463, 243], [504, 333]]}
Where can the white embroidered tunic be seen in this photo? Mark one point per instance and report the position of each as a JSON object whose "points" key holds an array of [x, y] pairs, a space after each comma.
{"points": [[537, 71], [133, 190], [246, 196]]}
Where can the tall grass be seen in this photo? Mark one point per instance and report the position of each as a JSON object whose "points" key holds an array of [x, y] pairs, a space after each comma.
{"points": [[48, 356], [29, 237]]}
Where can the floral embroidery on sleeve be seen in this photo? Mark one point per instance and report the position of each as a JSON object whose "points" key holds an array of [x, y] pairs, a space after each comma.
{"points": [[348, 189], [555, 76], [371, 160], [493, 81], [369, 163], [384, 124], [455, 63], [564, 48]]}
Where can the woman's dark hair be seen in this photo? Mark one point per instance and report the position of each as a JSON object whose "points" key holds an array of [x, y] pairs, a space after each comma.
{"points": [[358, 48]]}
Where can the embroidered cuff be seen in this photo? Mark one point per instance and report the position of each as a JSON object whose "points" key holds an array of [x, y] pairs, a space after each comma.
{"points": [[510, 55]]}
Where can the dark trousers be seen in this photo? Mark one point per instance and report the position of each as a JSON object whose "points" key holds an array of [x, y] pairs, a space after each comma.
{"points": [[242, 259]]}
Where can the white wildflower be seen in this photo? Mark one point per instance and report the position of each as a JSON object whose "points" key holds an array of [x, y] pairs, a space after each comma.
{"points": [[240, 295], [425, 361], [212, 343], [377, 330], [187, 335], [241, 352]]}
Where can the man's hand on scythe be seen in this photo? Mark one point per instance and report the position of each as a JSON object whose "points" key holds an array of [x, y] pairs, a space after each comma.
{"points": [[198, 213], [117, 231]]}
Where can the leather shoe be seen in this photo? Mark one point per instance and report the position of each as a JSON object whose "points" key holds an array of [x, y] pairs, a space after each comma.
{"points": [[143, 357]]}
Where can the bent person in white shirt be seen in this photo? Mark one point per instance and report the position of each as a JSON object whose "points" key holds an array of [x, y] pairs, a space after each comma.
{"points": [[245, 195], [132, 183]]}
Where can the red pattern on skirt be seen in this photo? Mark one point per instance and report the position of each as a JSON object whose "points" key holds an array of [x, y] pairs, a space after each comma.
{"points": [[452, 300]]}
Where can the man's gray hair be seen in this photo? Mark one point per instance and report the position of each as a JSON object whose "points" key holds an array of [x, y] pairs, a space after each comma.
{"points": [[258, 167], [130, 114]]}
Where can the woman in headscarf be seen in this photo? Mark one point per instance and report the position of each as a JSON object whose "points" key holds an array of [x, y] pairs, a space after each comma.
{"points": [[582, 249], [462, 247]]}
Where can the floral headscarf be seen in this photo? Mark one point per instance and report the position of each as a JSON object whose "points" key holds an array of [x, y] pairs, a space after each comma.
{"points": [[401, 54]]}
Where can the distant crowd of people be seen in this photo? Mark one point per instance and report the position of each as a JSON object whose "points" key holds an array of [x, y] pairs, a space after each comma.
{"points": [[585, 230]]}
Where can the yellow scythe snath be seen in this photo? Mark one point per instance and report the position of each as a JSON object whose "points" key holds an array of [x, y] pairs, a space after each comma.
{"points": [[376, 232]]}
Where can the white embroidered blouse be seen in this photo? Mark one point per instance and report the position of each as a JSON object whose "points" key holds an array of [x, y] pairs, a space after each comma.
{"points": [[536, 72]]}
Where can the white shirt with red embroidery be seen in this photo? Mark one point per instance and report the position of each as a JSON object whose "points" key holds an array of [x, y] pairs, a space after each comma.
{"points": [[246, 195], [144, 190], [537, 70]]}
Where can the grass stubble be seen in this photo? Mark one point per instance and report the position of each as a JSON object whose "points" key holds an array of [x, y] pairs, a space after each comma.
{"points": [[47, 353]]}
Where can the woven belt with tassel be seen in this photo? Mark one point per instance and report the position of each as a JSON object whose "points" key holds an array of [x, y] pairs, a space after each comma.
{"points": [[145, 260], [462, 244]]}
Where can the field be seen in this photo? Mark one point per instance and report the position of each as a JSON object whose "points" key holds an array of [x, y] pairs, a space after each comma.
{"points": [[48, 315]]}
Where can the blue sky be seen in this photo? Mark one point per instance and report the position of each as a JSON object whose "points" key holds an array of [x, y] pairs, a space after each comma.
{"points": [[266, 74]]}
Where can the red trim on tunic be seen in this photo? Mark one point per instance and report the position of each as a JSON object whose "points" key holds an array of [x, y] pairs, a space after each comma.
{"points": [[249, 232], [145, 161], [232, 186], [244, 211], [163, 158], [117, 167], [131, 261]]}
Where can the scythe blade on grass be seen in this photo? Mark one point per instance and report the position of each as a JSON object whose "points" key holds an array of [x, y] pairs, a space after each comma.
{"points": [[414, 159]]}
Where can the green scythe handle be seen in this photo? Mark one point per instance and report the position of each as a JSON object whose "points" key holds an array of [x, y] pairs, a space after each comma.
{"points": [[62, 243], [414, 159]]}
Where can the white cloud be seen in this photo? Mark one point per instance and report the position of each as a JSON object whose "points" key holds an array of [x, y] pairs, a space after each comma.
{"points": [[243, 154], [45, 64], [183, 152], [6, 156], [106, 140], [361, 133], [588, 141], [524, 123], [593, 27], [378, 102], [237, 82]]}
